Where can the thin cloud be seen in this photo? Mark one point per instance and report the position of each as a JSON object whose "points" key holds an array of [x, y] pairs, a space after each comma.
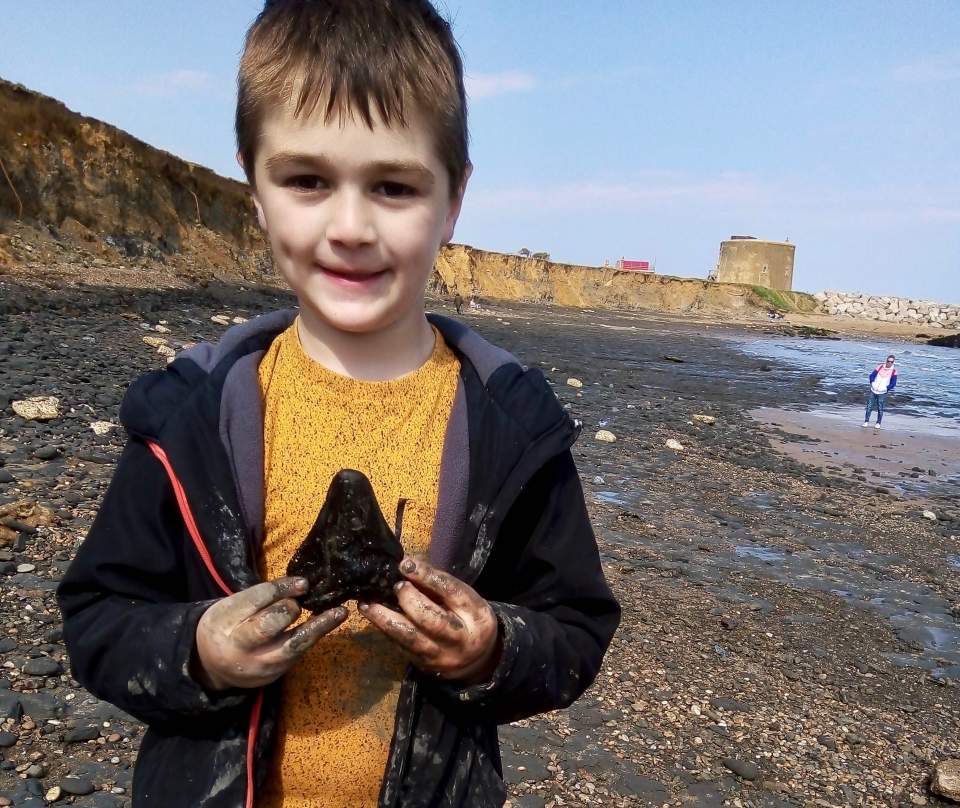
{"points": [[176, 82], [488, 85], [930, 69]]}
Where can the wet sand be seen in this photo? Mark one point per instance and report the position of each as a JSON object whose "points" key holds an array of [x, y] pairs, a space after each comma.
{"points": [[790, 633], [908, 454]]}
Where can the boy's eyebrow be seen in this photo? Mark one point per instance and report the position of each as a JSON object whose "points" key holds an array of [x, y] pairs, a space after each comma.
{"points": [[322, 162]]}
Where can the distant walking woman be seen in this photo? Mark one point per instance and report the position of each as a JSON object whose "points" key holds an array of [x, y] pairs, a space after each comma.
{"points": [[882, 381]]}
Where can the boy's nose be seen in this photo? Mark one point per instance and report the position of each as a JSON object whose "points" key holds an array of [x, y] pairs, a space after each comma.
{"points": [[350, 223]]}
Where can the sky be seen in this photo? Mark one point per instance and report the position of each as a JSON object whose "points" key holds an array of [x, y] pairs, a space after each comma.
{"points": [[610, 128]]}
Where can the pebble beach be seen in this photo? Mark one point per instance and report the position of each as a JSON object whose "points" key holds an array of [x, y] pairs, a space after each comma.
{"points": [[790, 584]]}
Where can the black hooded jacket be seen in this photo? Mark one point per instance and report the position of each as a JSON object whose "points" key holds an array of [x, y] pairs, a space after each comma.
{"points": [[181, 524]]}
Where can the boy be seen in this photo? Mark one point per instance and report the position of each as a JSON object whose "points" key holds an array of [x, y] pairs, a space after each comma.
{"points": [[882, 381], [351, 125]]}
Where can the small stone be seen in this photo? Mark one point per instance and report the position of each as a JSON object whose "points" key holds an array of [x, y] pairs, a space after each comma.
{"points": [[155, 342], [598, 480], [7, 739], [741, 768], [26, 567], [38, 408], [102, 427], [81, 734], [76, 786], [605, 436], [53, 794], [36, 771], [704, 419], [945, 779], [161, 329], [240, 320], [929, 515], [42, 666], [220, 319], [572, 382], [47, 453], [674, 444], [167, 351], [828, 741]]}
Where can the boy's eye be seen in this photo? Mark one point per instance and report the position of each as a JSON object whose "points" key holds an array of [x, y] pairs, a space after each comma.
{"points": [[305, 182], [396, 190]]}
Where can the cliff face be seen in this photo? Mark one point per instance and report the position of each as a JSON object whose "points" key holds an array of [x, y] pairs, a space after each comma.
{"points": [[61, 166], [78, 181], [471, 272]]}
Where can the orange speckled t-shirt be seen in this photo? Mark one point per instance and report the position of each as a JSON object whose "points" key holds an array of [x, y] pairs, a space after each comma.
{"points": [[340, 699]]}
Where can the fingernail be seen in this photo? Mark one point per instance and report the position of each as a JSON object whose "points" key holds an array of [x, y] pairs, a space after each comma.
{"points": [[301, 584], [408, 565], [363, 607], [398, 586]]}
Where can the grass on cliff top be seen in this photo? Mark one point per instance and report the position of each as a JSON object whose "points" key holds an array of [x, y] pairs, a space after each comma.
{"points": [[785, 301]]}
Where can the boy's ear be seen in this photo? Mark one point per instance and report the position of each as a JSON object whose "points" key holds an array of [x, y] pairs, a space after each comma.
{"points": [[260, 217], [456, 203]]}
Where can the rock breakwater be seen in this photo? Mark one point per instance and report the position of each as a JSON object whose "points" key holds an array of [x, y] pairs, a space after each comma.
{"points": [[890, 309]]}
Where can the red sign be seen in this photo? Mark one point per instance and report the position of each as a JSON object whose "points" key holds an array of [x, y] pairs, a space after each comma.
{"points": [[633, 266]]}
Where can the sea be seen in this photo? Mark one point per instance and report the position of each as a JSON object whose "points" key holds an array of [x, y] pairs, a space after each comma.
{"points": [[928, 377]]}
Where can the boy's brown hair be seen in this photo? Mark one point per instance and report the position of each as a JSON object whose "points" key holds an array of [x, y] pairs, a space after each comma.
{"points": [[354, 57]]}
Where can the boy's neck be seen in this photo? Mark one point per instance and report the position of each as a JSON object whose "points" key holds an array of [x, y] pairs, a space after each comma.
{"points": [[382, 355]]}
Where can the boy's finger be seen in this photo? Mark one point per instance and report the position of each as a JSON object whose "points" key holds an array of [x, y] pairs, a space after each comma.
{"points": [[250, 601], [293, 644], [263, 626], [433, 620], [449, 591], [399, 629]]}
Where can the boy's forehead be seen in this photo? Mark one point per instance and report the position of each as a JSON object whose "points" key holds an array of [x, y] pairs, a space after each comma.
{"points": [[345, 137]]}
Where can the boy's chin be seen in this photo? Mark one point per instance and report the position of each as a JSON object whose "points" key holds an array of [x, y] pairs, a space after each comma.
{"points": [[362, 321]]}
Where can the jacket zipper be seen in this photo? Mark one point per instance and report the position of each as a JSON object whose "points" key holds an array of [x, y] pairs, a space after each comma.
{"points": [[191, 525], [521, 463]]}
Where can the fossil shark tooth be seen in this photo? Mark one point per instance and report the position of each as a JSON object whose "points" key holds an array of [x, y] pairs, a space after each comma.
{"points": [[350, 552]]}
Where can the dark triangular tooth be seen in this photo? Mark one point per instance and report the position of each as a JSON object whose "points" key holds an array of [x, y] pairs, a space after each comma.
{"points": [[350, 552]]}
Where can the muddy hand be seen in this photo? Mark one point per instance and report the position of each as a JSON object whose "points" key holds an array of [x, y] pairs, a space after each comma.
{"points": [[245, 640], [443, 624]]}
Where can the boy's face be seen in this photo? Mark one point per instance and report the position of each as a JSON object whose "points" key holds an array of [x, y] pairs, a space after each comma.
{"points": [[355, 217]]}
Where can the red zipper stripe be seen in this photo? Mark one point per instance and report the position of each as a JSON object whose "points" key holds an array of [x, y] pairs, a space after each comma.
{"points": [[194, 532]]}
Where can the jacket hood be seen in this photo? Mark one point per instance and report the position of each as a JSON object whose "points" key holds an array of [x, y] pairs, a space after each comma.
{"points": [[158, 397]]}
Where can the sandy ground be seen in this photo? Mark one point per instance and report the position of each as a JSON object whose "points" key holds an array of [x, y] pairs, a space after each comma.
{"points": [[906, 453]]}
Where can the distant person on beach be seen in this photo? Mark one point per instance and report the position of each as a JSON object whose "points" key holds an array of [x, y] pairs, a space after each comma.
{"points": [[458, 303], [882, 381]]}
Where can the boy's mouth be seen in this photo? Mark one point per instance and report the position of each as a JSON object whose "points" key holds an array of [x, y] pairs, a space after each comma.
{"points": [[353, 277]]}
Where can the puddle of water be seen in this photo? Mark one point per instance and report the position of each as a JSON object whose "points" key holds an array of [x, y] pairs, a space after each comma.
{"points": [[768, 554]]}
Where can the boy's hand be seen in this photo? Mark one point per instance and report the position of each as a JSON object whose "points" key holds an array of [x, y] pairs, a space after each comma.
{"points": [[446, 627], [242, 640]]}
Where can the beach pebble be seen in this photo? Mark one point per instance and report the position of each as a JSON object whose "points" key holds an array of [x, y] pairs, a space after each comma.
{"points": [[161, 329], [945, 779], [78, 786], [741, 768], [38, 408], [929, 515], [572, 382], [53, 794], [240, 320], [704, 419], [220, 319], [102, 427], [26, 567], [605, 436], [674, 444], [155, 342], [42, 666]]}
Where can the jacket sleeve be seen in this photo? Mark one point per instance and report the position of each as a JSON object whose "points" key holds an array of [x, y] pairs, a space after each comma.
{"points": [[873, 376], [893, 382], [556, 613], [128, 623]]}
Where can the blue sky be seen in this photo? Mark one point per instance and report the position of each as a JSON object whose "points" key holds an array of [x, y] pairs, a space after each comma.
{"points": [[606, 129]]}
